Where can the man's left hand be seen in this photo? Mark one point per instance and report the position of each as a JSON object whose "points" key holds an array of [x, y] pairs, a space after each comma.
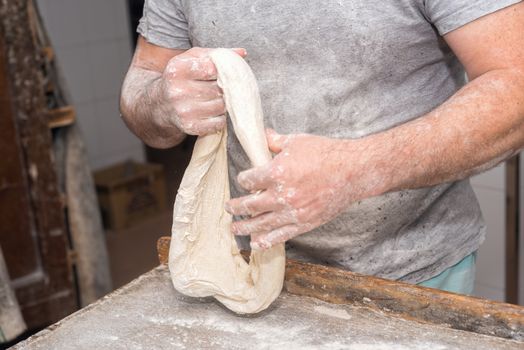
{"points": [[310, 181]]}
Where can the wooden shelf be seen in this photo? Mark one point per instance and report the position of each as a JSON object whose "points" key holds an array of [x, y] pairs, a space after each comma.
{"points": [[62, 116]]}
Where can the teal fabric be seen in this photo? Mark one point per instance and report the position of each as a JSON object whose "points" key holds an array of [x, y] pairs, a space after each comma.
{"points": [[459, 278]]}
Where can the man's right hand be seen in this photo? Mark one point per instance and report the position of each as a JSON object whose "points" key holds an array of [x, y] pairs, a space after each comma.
{"points": [[168, 93], [190, 86]]}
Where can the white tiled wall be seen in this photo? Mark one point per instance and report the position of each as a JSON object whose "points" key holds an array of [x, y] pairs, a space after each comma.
{"points": [[93, 48], [490, 191]]}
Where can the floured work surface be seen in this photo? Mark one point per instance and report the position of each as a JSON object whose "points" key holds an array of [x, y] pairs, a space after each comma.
{"points": [[149, 314]]}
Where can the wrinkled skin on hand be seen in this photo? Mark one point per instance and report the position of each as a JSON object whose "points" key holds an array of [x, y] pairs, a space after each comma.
{"points": [[308, 183], [190, 87]]}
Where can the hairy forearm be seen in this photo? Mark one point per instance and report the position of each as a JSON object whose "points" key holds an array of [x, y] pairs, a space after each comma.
{"points": [[143, 108], [478, 127]]}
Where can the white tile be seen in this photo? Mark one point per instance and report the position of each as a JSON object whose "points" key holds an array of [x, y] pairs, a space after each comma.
{"points": [[65, 21], [126, 54], [488, 292], [107, 68], [491, 256], [101, 18], [114, 134], [75, 66], [107, 20], [45, 8], [123, 29], [494, 178]]}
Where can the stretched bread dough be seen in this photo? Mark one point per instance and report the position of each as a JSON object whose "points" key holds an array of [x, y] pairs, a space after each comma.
{"points": [[204, 259]]}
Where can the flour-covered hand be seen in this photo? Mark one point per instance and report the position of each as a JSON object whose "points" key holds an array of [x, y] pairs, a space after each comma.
{"points": [[191, 90], [310, 181]]}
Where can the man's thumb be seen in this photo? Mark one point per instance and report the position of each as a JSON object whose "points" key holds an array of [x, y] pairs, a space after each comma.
{"points": [[275, 141], [241, 51]]}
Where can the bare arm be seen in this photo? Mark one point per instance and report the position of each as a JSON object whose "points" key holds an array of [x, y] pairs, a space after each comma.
{"points": [[482, 124], [170, 93]]}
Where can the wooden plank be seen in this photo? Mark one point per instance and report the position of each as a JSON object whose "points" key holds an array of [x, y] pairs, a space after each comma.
{"points": [[405, 300], [60, 117]]}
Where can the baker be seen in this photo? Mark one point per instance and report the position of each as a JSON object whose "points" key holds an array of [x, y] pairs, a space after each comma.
{"points": [[373, 125]]}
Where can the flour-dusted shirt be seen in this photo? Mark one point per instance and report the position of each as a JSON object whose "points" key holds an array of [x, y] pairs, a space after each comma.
{"points": [[347, 69]]}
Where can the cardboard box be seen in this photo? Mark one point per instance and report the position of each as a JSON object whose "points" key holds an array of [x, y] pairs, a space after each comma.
{"points": [[130, 192]]}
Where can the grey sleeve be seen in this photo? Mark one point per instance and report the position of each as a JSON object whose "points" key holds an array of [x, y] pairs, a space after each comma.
{"points": [[448, 15], [164, 24]]}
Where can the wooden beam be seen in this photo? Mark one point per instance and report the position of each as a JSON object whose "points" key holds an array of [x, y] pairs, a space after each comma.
{"points": [[404, 300]]}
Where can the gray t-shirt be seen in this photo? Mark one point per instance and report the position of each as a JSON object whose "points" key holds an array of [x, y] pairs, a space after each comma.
{"points": [[347, 69]]}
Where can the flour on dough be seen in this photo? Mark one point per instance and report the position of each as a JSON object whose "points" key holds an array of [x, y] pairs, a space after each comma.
{"points": [[204, 259]]}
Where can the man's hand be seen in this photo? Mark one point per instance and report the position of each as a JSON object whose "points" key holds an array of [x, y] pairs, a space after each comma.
{"points": [[311, 180], [191, 89], [169, 93]]}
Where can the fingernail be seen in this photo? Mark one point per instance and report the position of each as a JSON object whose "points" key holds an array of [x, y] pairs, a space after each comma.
{"points": [[244, 51], [227, 208], [255, 246]]}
